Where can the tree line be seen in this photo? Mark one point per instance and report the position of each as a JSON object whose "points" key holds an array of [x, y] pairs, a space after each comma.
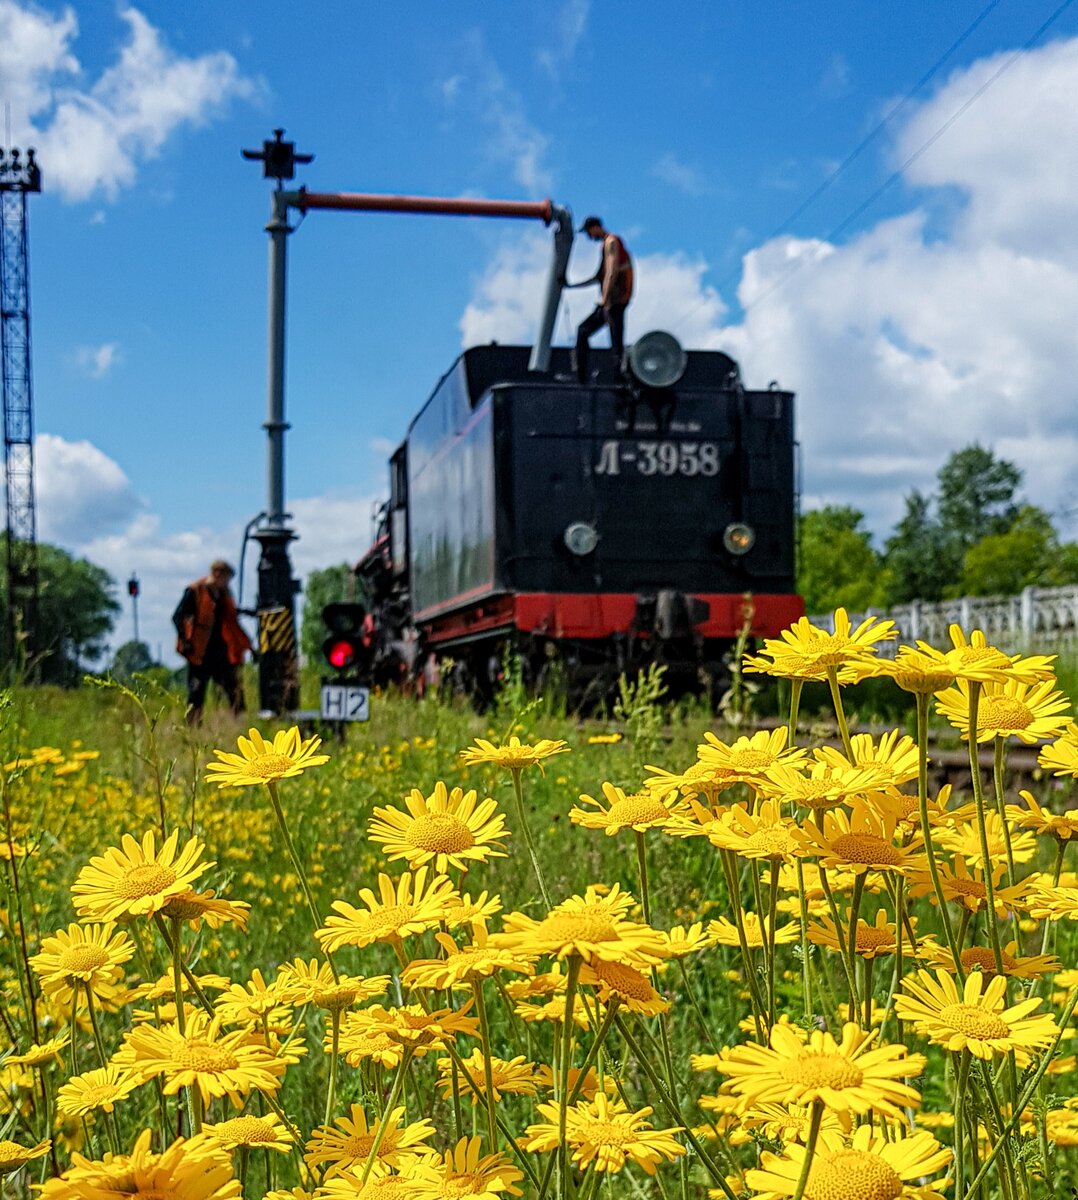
{"points": [[972, 535]]}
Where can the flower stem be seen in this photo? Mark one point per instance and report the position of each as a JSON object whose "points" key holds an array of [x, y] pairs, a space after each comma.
{"points": [[488, 1072], [772, 918], [730, 870], [331, 1090], [840, 715], [855, 909], [608, 1020], [522, 816], [810, 1148], [978, 797], [642, 873], [563, 1084], [383, 1124], [961, 1078]]}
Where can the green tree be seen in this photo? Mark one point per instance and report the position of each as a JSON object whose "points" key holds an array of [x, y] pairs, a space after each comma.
{"points": [[837, 564], [76, 610], [921, 560], [130, 659], [976, 495], [326, 586], [1028, 553]]}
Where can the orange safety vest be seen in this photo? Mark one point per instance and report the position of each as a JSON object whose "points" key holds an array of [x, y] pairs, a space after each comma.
{"points": [[623, 269], [197, 628]]}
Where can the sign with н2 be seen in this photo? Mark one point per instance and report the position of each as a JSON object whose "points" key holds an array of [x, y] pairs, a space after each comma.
{"points": [[658, 458]]}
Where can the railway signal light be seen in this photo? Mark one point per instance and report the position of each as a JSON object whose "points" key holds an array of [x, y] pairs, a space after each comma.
{"points": [[347, 648]]}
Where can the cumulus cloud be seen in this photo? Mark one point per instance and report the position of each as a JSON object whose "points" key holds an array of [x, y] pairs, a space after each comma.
{"points": [[92, 138], [81, 492], [97, 361], [945, 325]]}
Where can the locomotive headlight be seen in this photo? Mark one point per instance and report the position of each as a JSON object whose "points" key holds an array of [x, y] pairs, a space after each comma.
{"points": [[739, 538], [657, 359], [581, 538]]}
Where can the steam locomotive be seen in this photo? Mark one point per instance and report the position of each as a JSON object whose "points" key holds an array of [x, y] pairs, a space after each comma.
{"points": [[646, 515]]}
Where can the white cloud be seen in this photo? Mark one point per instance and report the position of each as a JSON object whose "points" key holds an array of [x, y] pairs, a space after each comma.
{"points": [[926, 332], [670, 169], [81, 492], [92, 138], [97, 361], [569, 28]]}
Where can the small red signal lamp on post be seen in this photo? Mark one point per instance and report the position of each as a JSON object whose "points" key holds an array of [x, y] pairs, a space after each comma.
{"points": [[347, 646]]}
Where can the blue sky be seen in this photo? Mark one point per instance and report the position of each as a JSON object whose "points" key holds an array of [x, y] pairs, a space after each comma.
{"points": [[942, 314]]}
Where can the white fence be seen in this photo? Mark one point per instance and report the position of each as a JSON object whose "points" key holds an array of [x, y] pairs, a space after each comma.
{"points": [[1035, 617]]}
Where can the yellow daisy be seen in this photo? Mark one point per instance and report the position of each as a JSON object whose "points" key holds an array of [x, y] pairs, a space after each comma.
{"points": [[586, 928], [350, 1186], [399, 910], [700, 781], [894, 758], [1053, 903], [349, 1140], [260, 762], [80, 957], [515, 1076], [977, 1019], [544, 1077], [605, 1133], [871, 940], [1061, 826], [360, 1042], [982, 958], [631, 987], [724, 931], [681, 942], [102, 1089], [40, 1054], [858, 841], [464, 1173], [463, 910], [248, 1003], [312, 982], [1029, 712], [781, 1122], [819, 786], [963, 838], [256, 1133], [749, 756], [809, 651], [13, 1156], [218, 1064], [196, 907], [421, 1030], [460, 964], [446, 828], [921, 670], [867, 1167], [848, 1076], [190, 1169], [968, 889], [513, 755], [1061, 756], [639, 812], [764, 834], [976, 660]]}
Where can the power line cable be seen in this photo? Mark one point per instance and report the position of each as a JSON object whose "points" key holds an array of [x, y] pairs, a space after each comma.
{"points": [[897, 174]]}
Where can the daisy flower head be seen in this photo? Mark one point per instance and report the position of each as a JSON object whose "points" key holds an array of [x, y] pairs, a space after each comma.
{"points": [[81, 957], [40, 1053], [196, 907], [248, 1003], [460, 964], [982, 958], [515, 1076], [639, 812], [1061, 756], [262, 762], [976, 1019], [631, 988], [360, 1042], [920, 670], [864, 1167], [137, 880], [894, 757], [253, 1132], [848, 1076], [13, 1155], [700, 782], [585, 927], [819, 786], [464, 1173], [724, 932], [963, 839], [218, 1064], [463, 910], [765, 834], [402, 908], [973, 660], [749, 756], [606, 1133], [103, 1089], [1061, 826], [513, 755], [446, 828], [1053, 903], [805, 651], [1029, 712], [859, 841], [348, 1142], [968, 888], [312, 982], [871, 941], [421, 1030]]}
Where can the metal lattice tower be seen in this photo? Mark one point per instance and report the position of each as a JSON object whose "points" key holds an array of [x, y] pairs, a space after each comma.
{"points": [[18, 178]]}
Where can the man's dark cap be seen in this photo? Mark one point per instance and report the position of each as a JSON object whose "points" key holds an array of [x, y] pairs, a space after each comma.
{"points": [[588, 222]]}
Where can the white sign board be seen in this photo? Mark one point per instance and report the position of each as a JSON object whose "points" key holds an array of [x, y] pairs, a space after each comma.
{"points": [[345, 702]]}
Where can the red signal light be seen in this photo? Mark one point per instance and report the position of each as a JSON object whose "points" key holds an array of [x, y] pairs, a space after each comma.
{"points": [[341, 654]]}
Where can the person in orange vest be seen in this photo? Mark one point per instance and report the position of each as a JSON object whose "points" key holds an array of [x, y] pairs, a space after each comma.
{"points": [[615, 278], [210, 637]]}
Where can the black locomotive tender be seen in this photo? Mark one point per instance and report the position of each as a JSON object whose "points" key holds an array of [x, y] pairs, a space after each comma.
{"points": [[644, 516]]}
